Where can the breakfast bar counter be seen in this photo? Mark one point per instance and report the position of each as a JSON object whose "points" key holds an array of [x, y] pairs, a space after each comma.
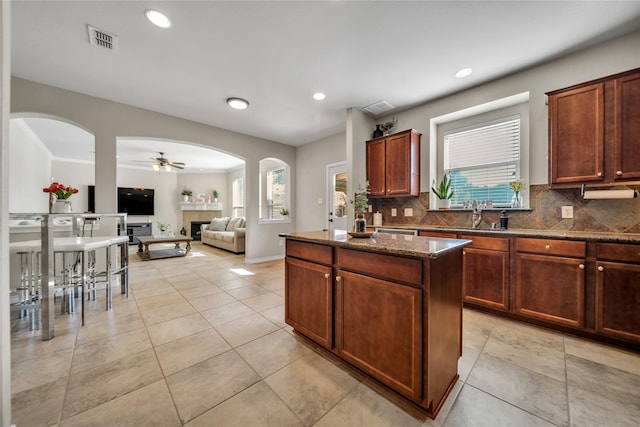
{"points": [[388, 305]]}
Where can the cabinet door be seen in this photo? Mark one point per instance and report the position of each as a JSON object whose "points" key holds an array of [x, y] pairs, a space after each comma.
{"points": [[309, 300], [379, 330], [618, 300], [376, 167], [398, 164], [485, 278], [627, 128], [576, 135], [550, 288]]}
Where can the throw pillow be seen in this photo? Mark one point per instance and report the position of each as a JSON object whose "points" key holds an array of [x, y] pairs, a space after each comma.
{"points": [[234, 223], [219, 224]]}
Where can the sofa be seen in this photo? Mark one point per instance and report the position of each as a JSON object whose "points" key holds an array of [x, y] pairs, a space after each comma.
{"points": [[225, 233]]}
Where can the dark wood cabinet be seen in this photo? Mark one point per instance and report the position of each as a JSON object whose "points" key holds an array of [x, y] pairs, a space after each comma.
{"points": [[393, 165], [618, 291], [438, 234], [550, 280], [379, 330], [309, 291], [594, 132], [485, 267]]}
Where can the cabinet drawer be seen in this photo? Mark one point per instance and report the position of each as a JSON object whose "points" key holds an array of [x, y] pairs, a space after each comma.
{"points": [[619, 252], [552, 247], [310, 251], [491, 243], [395, 268]]}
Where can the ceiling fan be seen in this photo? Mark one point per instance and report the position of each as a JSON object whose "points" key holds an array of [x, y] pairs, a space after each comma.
{"points": [[162, 162]]}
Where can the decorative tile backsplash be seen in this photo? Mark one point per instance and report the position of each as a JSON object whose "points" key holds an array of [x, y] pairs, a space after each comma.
{"points": [[613, 216]]}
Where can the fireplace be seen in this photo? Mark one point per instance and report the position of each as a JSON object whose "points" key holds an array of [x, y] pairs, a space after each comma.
{"points": [[195, 229]]}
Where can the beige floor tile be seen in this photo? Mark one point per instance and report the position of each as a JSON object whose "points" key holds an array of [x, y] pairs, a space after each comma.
{"points": [[182, 353], [245, 292], [257, 406], [110, 349], [104, 382], [114, 325], [589, 409], [538, 394], [363, 407], [227, 313], [162, 333], [604, 354], [39, 406], [245, 329], [215, 379], [205, 302], [311, 386], [276, 315], [466, 362], [263, 302], [200, 290], [272, 352], [476, 408], [146, 303], [169, 312], [150, 406]]}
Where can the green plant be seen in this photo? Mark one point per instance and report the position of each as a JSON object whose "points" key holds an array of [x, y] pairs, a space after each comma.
{"points": [[516, 186], [186, 192], [444, 189], [387, 126], [360, 202], [163, 226], [215, 194], [284, 212]]}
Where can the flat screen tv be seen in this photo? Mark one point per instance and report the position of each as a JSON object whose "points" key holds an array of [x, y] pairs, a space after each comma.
{"points": [[133, 201]]}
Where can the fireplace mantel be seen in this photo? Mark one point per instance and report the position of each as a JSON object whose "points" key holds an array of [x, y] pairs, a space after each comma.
{"points": [[198, 215]]}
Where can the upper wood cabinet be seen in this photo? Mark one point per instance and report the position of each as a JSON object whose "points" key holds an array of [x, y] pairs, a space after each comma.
{"points": [[594, 131], [393, 165]]}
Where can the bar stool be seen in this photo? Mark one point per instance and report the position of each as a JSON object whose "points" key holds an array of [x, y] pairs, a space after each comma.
{"points": [[26, 299]]}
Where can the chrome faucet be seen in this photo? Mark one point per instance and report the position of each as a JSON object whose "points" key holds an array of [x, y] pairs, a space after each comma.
{"points": [[476, 218]]}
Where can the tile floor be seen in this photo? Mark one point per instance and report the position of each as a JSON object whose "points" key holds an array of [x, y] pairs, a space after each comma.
{"points": [[200, 342]]}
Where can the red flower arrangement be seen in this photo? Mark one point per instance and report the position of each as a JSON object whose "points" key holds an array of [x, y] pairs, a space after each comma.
{"points": [[61, 192]]}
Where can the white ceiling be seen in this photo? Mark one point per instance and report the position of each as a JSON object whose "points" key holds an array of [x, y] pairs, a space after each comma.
{"points": [[277, 54]]}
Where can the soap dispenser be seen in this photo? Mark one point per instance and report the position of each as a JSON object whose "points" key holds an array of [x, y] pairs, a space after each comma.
{"points": [[504, 220]]}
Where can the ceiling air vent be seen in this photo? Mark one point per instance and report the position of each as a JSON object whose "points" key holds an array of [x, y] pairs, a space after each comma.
{"points": [[378, 108], [98, 37]]}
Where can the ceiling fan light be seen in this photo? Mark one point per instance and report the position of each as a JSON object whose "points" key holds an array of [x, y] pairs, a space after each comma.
{"points": [[156, 167], [167, 168], [238, 103]]}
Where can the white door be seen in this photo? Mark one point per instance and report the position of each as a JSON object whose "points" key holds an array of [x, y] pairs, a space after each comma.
{"points": [[337, 199]]}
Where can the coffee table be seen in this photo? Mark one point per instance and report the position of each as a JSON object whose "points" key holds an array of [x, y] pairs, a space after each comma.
{"points": [[146, 254]]}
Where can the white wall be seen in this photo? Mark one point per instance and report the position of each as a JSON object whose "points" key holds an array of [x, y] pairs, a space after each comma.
{"points": [[312, 160], [29, 170], [31, 98]]}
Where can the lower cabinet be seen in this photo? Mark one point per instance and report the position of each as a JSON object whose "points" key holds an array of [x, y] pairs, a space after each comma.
{"points": [[309, 300], [485, 277], [379, 329], [550, 278], [618, 291]]}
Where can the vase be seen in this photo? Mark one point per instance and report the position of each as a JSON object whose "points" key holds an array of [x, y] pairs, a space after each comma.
{"points": [[444, 203], [516, 201], [360, 224], [378, 132], [185, 198], [61, 206]]}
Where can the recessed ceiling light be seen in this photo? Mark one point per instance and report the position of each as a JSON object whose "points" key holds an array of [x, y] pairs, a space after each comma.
{"points": [[157, 18], [319, 96], [464, 72], [238, 103]]}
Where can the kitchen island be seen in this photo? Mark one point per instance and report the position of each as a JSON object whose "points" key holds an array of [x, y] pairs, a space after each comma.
{"points": [[388, 305]]}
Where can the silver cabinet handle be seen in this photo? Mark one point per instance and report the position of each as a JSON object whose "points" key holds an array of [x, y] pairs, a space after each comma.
{"points": [[327, 275], [600, 268]]}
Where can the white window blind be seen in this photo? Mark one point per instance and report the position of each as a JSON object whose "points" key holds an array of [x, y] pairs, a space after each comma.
{"points": [[238, 197], [482, 160]]}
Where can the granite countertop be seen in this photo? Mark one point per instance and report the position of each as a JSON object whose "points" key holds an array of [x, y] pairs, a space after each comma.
{"points": [[394, 244], [548, 234]]}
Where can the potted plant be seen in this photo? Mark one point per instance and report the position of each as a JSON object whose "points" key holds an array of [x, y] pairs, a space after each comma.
{"points": [[360, 205], [62, 194], [215, 196], [186, 193], [284, 212], [387, 126], [443, 192]]}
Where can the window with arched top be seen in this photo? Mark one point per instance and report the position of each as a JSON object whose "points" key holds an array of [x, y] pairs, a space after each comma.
{"points": [[274, 190]]}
